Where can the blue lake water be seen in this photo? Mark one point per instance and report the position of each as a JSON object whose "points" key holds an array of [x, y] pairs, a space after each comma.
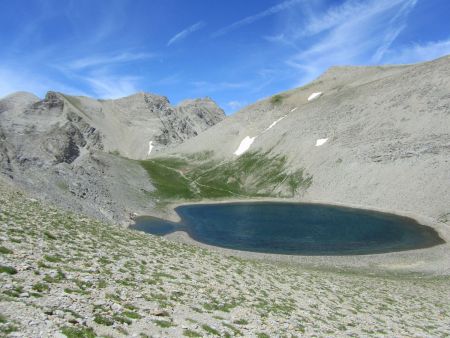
{"points": [[295, 228]]}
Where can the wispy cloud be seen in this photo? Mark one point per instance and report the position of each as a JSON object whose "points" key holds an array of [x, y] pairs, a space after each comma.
{"points": [[113, 87], [185, 32], [258, 16], [102, 74], [397, 25], [418, 52], [356, 32], [107, 59]]}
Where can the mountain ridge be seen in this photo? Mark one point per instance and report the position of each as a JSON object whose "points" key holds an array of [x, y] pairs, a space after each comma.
{"points": [[79, 152]]}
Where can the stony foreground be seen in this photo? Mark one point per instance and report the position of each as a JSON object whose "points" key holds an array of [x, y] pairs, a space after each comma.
{"points": [[63, 274]]}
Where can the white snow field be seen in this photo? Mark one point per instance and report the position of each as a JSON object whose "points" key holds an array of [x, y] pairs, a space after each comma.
{"points": [[244, 145], [150, 147], [314, 96], [274, 123], [321, 141]]}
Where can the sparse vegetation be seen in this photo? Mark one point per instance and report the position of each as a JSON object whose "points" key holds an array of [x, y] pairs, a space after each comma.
{"points": [[128, 283], [276, 99]]}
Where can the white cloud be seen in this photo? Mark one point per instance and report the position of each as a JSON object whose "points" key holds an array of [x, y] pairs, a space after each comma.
{"points": [[258, 16], [107, 59], [185, 32]]}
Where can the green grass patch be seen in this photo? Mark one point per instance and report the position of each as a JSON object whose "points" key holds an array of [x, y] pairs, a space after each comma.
{"points": [[262, 335], [276, 99], [122, 319], [168, 182], [5, 251], [210, 330], [7, 269], [191, 333], [131, 314], [253, 174], [73, 332], [49, 235], [103, 320], [52, 259], [2, 319], [59, 277], [40, 287], [163, 323]]}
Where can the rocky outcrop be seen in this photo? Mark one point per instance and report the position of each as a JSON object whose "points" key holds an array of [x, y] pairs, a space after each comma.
{"points": [[187, 120]]}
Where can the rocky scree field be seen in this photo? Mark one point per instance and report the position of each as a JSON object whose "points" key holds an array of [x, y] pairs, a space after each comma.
{"points": [[62, 274]]}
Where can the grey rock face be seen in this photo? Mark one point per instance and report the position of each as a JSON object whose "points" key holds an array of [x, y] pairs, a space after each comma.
{"points": [[187, 120]]}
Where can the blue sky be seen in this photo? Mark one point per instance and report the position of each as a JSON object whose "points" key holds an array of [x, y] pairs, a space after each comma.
{"points": [[234, 51]]}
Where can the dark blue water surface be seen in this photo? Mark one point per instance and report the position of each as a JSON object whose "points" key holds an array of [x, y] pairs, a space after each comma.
{"points": [[295, 228]]}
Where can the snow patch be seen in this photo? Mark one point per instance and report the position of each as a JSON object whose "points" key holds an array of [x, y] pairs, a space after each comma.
{"points": [[314, 96], [274, 123], [150, 147], [245, 145], [294, 109], [321, 141]]}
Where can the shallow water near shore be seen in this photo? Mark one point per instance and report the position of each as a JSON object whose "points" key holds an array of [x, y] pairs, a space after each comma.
{"points": [[294, 228]]}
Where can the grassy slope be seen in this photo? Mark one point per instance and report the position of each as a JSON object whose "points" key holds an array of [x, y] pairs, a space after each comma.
{"points": [[87, 278], [250, 175]]}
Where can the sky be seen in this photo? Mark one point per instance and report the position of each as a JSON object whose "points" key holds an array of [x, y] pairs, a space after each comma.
{"points": [[234, 51]]}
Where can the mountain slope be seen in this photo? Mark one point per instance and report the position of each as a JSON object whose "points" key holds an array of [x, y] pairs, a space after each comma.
{"points": [[376, 137]]}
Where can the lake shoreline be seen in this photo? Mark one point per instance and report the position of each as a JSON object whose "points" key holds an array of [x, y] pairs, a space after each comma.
{"points": [[434, 260]]}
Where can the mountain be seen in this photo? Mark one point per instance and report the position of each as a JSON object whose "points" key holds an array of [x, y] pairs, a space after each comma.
{"points": [[375, 137], [77, 151], [372, 137]]}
